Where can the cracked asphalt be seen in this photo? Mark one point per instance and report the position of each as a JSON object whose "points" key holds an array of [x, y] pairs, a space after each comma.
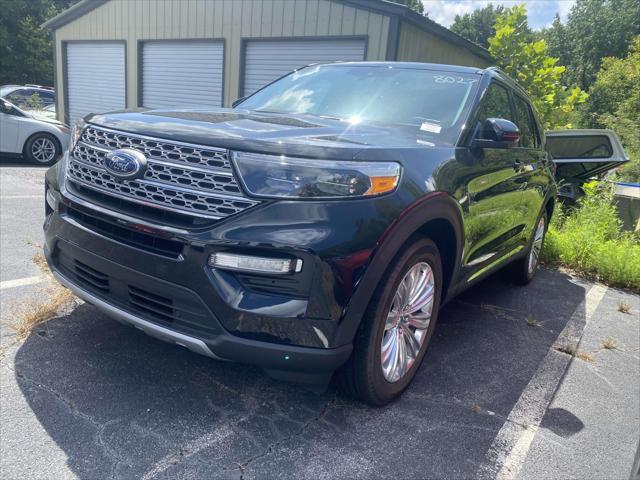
{"points": [[83, 396]]}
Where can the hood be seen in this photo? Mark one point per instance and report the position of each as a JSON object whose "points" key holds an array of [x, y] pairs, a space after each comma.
{"points": [[267, 132], [45, 116], [48, 117]]}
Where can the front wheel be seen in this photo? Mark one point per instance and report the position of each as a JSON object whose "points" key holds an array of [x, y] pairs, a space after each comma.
{"points": [[524, 269], [42, 149], [397, 326]]}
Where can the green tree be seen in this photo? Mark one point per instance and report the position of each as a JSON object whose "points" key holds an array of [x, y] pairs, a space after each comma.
{"points": [[25, 48], [557, 40], [415, 5], [528, 62], [614, 103], [477, 26], [595, 29]]}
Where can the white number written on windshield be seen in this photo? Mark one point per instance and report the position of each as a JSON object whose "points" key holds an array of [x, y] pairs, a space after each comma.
{"points": [[450, 79]]}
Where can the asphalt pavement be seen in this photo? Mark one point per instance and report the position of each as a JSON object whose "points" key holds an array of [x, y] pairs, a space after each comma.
{"points": [[498, 396]]}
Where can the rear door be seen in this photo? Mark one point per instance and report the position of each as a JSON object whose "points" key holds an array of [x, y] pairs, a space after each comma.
{"points": [[582, 155], [532, 164]]}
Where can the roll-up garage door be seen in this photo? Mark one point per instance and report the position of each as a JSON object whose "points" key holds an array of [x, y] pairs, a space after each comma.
{"points": [[95, 78], [182, 74], [266, 61]]}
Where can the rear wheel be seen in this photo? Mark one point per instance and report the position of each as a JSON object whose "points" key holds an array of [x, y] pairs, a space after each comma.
{"points": [[397, 326], [42, 149], [524, 269]]}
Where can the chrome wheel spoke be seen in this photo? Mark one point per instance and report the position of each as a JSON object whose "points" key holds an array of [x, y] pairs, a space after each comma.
{"points": [[392, 319], [43, 150], [536, 245], [389, 346], [419, 320], [412, 343], [407, 322]]}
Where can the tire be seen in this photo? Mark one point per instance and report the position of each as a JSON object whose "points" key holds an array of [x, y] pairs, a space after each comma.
{"points": [[42, 149], [524, 269], [362, 376]]}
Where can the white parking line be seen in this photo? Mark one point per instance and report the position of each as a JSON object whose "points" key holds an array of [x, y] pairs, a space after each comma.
{"points": [[19, 197], [20, 282], [509, 449]]}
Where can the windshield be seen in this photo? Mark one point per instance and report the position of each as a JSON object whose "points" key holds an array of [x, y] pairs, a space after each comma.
{"points": [[432, 101]]}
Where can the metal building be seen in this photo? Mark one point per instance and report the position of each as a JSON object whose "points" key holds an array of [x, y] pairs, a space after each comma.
{"points": [[113, 54]]}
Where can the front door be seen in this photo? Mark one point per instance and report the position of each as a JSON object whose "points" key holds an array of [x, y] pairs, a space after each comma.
{"points": [[9, 132], [495, 181]]}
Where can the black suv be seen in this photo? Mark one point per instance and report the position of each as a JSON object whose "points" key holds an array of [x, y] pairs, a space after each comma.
{"points": [[316, 227]]}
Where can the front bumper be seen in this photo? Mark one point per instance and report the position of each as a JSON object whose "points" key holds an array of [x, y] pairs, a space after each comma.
{"points": [[300, 364]]}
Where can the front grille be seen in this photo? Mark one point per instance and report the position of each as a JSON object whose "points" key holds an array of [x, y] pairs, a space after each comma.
{"points": [[185, 179]]}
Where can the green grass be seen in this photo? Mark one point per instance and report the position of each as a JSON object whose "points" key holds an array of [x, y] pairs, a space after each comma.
{"points": [[589, 240]]}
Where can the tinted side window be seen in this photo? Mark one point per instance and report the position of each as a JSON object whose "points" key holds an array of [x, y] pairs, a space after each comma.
{"points": [[579, 146], [495, 104], [524, 121], [18, 95], [47, 97]]}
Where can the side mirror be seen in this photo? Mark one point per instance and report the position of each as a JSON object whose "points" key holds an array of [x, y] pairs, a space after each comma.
{"points": [[496, 133], [5, 107], [238, 101]]}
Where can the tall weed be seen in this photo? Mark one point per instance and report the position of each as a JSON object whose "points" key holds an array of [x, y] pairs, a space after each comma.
{"points": [[589, 240]]}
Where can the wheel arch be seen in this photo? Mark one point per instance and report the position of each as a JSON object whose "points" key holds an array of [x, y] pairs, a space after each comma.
{"points": [[437, 216]]}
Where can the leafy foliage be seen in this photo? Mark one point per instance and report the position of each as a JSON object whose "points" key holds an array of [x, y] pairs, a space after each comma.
{"points": [[589, 240], [615, 103], [25, 48], [539, 74], [477, 26], [595, 29]]}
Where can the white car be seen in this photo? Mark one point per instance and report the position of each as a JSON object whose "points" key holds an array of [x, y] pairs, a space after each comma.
{"points": [[39, 139]]}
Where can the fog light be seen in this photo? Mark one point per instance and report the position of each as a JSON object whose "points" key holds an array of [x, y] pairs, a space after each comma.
{"points": [[249, 263], [51, 200]]}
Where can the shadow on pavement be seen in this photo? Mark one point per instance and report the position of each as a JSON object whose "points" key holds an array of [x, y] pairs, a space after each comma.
{"points": [[121, 404]]}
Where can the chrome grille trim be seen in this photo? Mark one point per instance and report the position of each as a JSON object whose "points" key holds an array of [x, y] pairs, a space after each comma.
{"points": [[163, 150], [172, 181], [146, 193]]}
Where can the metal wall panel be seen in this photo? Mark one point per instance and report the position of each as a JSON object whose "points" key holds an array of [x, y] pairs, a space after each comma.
{"points": [[416, 45], [95, 78], [266, 61], [138, 21], [182, 74]]}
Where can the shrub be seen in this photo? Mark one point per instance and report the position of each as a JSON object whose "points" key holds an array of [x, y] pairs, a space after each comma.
{"points": [[589, 240]]}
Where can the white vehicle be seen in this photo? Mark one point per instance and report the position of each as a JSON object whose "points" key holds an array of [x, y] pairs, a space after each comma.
{"points": [[39, 139]]}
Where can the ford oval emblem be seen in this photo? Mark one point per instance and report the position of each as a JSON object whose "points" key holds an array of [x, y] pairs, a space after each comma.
{"points": [[125, 163]]}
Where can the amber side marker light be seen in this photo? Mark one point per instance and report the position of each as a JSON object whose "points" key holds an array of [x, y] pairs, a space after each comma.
{"points": [[381, 185]]}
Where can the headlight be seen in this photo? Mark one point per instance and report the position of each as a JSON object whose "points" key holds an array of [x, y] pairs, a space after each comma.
{"points": [[63, 128], [76, 132], [286, 177]]}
